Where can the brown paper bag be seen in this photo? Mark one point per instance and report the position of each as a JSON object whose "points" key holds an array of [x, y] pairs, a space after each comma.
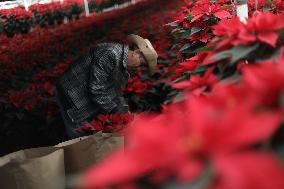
{"points": [[33, 169], [107, 143], [46, 167], [80, 153]]}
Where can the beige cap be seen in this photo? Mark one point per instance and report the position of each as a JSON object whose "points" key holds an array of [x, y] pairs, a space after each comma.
{"points": [[147, 50]]}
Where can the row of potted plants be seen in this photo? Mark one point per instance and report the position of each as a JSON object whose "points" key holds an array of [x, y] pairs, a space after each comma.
{"points": [[31, 65], [18, 20]]}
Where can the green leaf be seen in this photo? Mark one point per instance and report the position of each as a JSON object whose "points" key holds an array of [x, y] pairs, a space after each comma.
{"points": [[266, 8], [164, 62], [185, 34], [195, 30], [178, 97], [281, 35], [206, 48], [190, 31], [176, 30], [186, 46], [226, 6], [172, 93], [173, 24], [201, 69], [222, 55], [174, 46], [170, 73], [236, 53], [282, 100], [240, 52], [182, 78], [280, 153]]}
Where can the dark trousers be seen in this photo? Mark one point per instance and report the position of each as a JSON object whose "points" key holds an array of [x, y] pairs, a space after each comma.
{"points": [[69, 125]]}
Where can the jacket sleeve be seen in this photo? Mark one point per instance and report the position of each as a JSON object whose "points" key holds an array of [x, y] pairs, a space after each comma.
{"points": [[99, 76]]}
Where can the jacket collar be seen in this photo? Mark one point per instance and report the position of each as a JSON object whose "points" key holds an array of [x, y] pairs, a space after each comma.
{"points": [[125, 56], [125, 60]]}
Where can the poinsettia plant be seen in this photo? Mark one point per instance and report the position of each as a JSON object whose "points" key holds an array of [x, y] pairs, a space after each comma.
{"points": [[275, 6], [237, 43], [18, 20], [207, 46], [107, 123], [193, 25]]}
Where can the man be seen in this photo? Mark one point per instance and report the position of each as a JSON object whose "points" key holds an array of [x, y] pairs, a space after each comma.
{"points": [[93, 85]]}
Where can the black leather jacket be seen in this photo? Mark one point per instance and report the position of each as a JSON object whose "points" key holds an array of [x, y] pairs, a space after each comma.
{"points": [[92, 85]]}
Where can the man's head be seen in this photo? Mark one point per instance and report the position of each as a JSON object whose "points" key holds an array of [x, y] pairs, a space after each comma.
{"points": [[136, 59], [143, 55]]}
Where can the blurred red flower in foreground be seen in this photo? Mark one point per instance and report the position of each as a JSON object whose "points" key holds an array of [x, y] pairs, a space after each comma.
{"points": [[248, 171], [191, 134], [266, 81]]}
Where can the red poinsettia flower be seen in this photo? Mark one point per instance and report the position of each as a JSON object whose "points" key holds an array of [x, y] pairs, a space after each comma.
{"points": [[103, 118], [189, 64], [228, 28], [248, 170], [205, 7], [223, 125], [135, 85], [263, 27], [198, 84], [265, 81]]}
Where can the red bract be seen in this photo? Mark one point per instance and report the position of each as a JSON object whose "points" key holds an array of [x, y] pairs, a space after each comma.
{"points": [[229, 28], [103, 118], [198, 84], [113, 122], [265, 81], [263, 27], [190, 64], [276, 6], [200, 15], [205, 7], [136, 86], [47, 86], [222, 125], [248, 171]]}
